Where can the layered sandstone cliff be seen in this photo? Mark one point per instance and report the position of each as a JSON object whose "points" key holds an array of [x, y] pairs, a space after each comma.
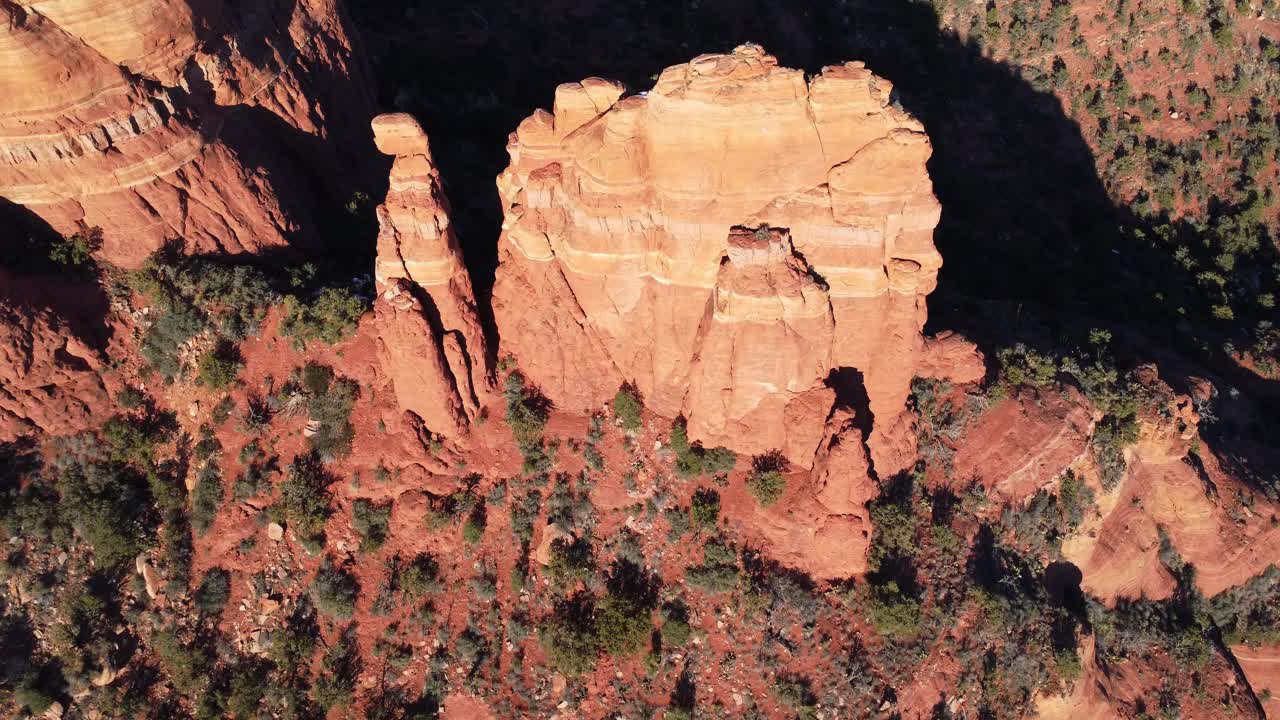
{"points": [[619, 262], [430, 339], [207, 120]]}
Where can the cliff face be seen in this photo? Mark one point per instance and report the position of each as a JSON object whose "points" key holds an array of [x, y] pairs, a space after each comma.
{"points": [[618, 264], [429, 337], [197, 119]]}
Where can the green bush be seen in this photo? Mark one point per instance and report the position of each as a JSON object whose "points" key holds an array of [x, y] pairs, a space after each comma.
{"points": [[330, 317], [214, 591], [568, 636], [693, 460], [340, 668], [420, 577], [166, 335], [628, 408], [719, 569], [75, 253], [527, 413], [570, 561], [187, 665], [473, 528], [622, 624], [705, 508], [304, 500], [893, 614], [107, 505], [766, 486], [330, 400], [219, 366], [334, 590], [206, 500], [371, 522]]}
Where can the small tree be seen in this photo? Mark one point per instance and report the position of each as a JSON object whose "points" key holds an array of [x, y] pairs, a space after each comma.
{"points": [[627, 407], [705, 508]]}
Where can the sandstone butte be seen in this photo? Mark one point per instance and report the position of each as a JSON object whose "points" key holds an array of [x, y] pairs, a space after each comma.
{"points": [[738, 243], [430, 341], [205, 120]]}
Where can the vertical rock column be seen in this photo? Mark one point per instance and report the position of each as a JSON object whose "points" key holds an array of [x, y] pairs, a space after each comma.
{"points": [[430, 339]]}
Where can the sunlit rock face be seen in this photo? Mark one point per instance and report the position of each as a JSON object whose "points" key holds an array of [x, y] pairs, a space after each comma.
{"points": [[430, 339], [208, 120], [629, 251]]}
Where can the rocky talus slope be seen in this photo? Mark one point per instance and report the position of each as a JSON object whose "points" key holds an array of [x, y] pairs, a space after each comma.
{"points": [[618, 264], [221, 123]]}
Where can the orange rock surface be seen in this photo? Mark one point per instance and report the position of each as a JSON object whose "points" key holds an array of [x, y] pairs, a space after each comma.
{"points": [[162, 119], [826, 530], [418, 254], [49, 374], [619, 262], [1193, 500], [1023, 444]]}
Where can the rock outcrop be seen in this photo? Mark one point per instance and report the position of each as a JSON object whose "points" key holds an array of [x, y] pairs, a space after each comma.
{"points": [[619, 261], [206, 120], [430, 339], [49, 374]]}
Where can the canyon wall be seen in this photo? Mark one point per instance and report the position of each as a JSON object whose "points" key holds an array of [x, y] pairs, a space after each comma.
{"points": [[224, 123], [430, 340], [726, 242]]}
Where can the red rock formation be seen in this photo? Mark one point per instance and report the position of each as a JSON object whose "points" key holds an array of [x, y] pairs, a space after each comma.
{"points": [[617, 213], [430, 339], [412, 354], [158, 119], [1194, 500], [49, 377]]}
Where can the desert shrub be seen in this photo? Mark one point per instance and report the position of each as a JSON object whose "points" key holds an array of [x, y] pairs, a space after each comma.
{"points": [[330, 317], [245, 691], [766, 486], [1021, 365], [161, 342], [371, 522], [719, 569], [444, 510], [187, 665], [329, 403], [293, 644], [219, 366], [693, 460], [527, 413], [568, 636], [794, 693], [334, 590], [1067, 664], [894, 614], [213, 592], [340, 668], [676, 631], [304, 500], [75, 252], [622, 626], [1250, 613], [570, 561], [628, 408], [206, 499], [420, 577], [473, 528], [107, 505], [705, 508]]}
